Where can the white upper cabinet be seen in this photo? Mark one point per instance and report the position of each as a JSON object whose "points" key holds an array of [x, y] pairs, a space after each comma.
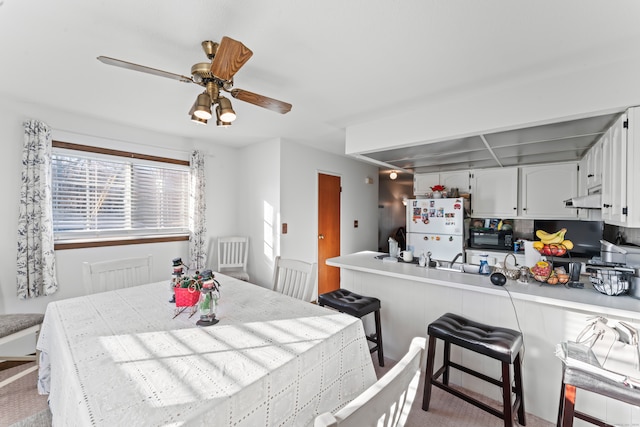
{"points": [[583, 189], [457, 179], [614, 177], [544, 188], [422, 182], [633, 171], [593, 172], [494, 192]]}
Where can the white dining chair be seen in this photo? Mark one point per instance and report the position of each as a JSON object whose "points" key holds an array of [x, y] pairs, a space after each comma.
{"points": [[294, 278], [388, 401], [232, 256], [116, 274], [16, 327]]}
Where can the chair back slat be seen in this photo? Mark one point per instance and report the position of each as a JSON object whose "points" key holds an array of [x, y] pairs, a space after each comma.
{"points": [[116, 274], [232, 254], [294, 278]]}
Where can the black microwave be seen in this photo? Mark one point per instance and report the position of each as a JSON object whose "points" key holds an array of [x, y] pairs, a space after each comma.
{"points": [[490, 238]]}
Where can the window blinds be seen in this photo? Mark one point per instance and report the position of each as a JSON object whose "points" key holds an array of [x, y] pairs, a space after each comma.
{"points": [[104, 196]]}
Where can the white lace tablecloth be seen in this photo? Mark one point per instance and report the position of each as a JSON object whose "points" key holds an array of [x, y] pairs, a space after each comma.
{"points": [[118, 358]]}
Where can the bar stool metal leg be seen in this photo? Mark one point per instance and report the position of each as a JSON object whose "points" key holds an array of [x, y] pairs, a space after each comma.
{"points": [[447, 362], [431, 355], [517, 374], [379, 338], [506, 395]]}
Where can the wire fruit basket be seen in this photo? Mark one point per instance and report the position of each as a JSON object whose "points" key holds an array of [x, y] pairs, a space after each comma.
{"points": [[609, 281]]}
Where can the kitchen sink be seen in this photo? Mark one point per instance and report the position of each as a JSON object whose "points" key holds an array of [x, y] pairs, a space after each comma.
{"points": [[459, 267], [456, 269]]}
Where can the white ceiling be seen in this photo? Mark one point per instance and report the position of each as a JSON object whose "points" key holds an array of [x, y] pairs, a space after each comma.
{"points": [[340, 63]]}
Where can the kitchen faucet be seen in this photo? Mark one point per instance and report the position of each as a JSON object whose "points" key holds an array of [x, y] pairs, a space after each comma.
{"points": [[458, 255]]}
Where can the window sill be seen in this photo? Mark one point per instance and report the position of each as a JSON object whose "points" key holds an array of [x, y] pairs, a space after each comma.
{"points": [[117, 241]]}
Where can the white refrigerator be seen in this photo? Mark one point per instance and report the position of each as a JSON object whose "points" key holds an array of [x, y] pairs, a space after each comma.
{"points": [[436, 226]]}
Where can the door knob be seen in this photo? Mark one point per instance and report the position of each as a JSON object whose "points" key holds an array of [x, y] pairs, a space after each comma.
{"points": [[321, 236]]}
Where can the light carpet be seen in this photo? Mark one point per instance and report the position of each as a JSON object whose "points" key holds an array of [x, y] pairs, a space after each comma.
{"points": [[19, 401], [446, 410]]}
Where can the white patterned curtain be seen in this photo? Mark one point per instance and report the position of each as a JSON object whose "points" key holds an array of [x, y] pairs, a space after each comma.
{"points": [[36, 257], [197, 222]]}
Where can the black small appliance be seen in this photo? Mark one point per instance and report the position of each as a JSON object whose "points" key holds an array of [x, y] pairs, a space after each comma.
{"points": [[490, 238]]}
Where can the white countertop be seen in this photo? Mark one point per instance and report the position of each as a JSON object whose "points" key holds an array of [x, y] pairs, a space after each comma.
{"points": [[587, 299]]}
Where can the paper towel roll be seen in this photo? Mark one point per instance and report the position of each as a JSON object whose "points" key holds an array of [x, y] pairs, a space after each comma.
{"points": [[531, 256]]}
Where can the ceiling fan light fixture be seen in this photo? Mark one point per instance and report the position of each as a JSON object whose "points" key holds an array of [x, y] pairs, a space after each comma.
{"points": [[225, 111], [203, 107], [198, 120], [219, 121]]}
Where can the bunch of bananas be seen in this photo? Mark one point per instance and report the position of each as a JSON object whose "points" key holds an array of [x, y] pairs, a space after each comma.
{"points": [[553, 243], [548, 238]]}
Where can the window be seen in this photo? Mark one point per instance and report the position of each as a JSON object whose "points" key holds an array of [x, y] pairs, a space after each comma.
{"points": [[105, 195]]}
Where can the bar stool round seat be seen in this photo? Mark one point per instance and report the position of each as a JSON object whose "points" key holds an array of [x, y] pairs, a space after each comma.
{"points": [[501, 344], [359, 306]]}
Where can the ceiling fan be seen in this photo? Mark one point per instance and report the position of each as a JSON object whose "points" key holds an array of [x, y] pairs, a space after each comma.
{"points": [[226, 57]]}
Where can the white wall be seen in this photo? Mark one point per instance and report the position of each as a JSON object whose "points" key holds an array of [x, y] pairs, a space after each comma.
{"points": [[258, 207], [240, 183], [220, 164], [582, 91], [299, 194]]}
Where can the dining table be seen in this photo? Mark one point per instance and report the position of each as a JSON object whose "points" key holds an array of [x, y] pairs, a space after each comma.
{"points": [[124, 357]]}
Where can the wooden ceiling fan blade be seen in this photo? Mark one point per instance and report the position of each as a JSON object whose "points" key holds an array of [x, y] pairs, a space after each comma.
{"points": [[261, 101], [143, 69], [230, 57]]}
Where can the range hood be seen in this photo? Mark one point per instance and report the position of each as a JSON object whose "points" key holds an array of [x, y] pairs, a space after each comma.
{"points": [[592, 201]]}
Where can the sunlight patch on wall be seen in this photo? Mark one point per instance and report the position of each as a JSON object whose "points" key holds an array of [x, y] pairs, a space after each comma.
{"points": [[268, 233]]}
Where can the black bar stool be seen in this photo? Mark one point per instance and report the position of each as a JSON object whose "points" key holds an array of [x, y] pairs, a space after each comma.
{"points": [[359, 306], [497, 343]]}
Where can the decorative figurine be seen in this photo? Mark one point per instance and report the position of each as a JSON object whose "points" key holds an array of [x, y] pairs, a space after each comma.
{"points": [[209, 295], [178, 270]]}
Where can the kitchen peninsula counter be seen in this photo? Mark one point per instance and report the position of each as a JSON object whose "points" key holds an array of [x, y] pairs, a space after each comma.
{"points": [[587, 299], [413, 296]]}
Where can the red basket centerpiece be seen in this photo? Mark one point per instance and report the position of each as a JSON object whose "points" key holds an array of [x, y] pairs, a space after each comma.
{"points": [[187, 297]]}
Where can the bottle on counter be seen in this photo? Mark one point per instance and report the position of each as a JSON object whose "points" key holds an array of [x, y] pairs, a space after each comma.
{"points": [[484, 265]]}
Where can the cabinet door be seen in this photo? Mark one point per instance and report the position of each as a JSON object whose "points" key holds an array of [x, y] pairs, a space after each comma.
{"points": [[422, 182], [607, 176], [633, 173], [618, 172], [495, 193], [458, 179], [594, 166], [544, 188], [583, 189]]}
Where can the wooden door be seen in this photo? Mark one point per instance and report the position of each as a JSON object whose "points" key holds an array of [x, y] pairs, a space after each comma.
{"points": [[328, 231]]}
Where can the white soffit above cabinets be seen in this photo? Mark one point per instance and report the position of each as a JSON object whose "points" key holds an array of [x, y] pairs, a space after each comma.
{"points": [[549, 143]]}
